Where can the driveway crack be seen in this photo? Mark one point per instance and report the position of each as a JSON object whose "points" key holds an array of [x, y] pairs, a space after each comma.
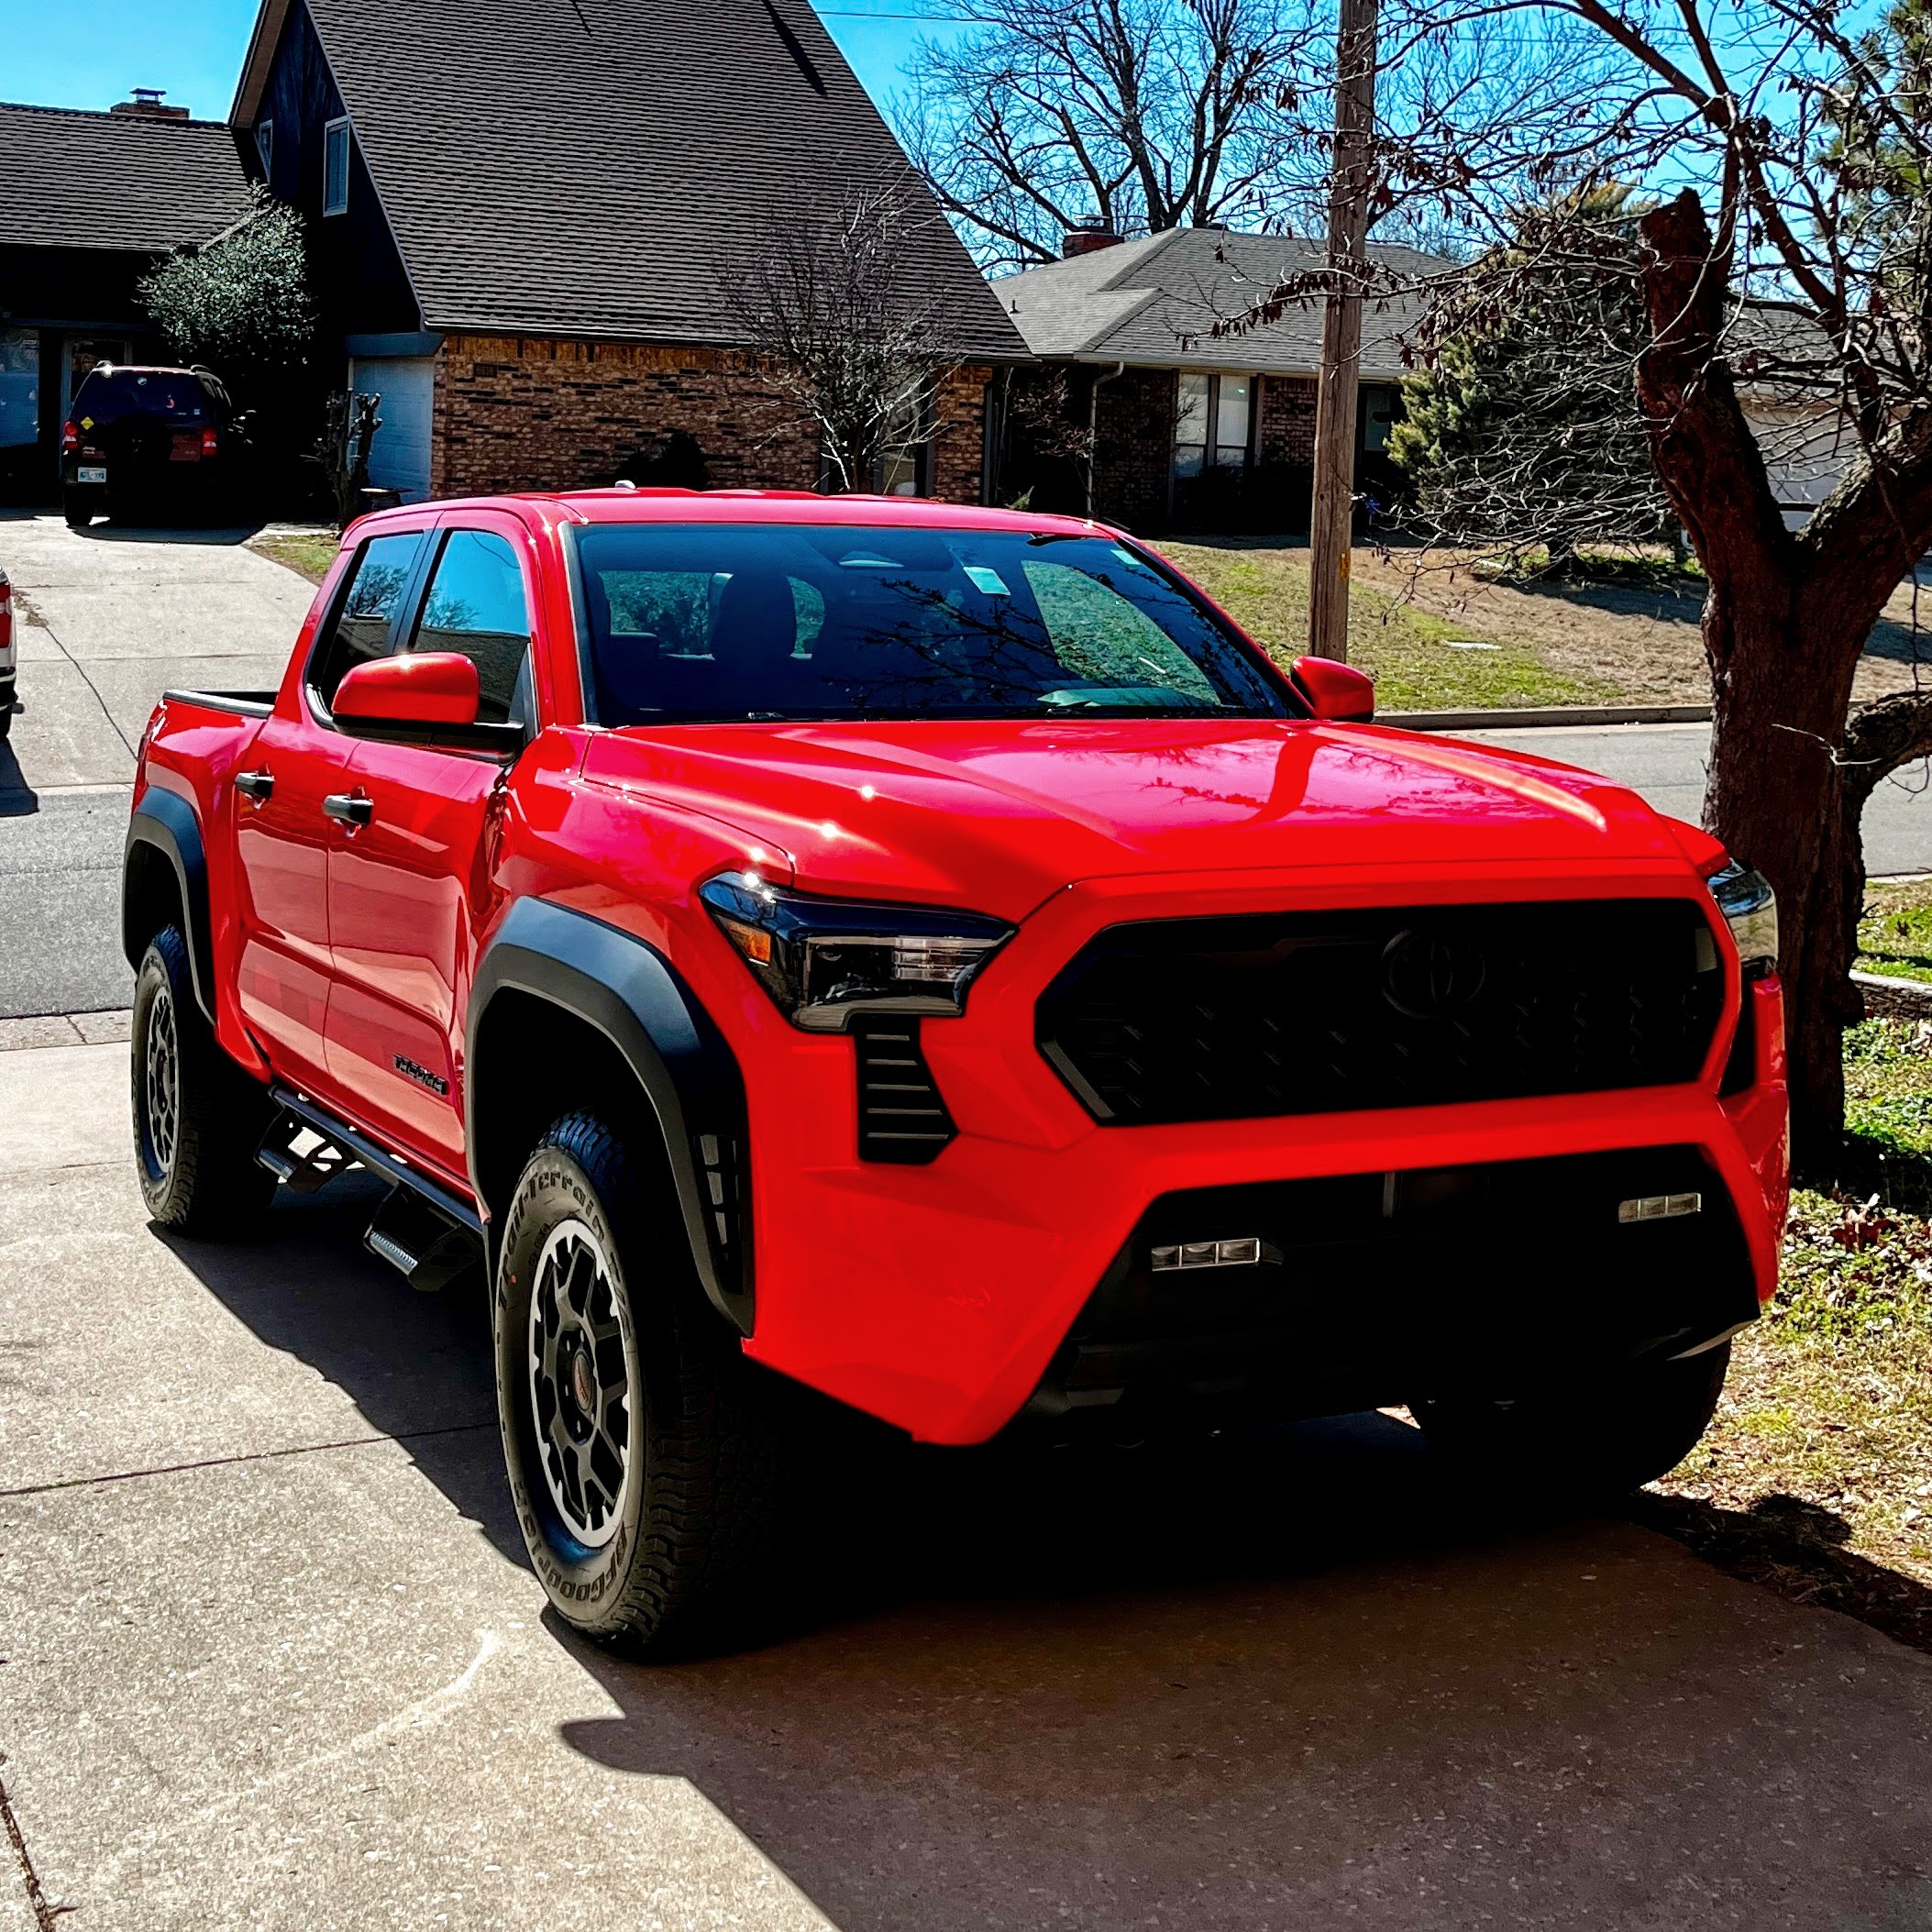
{"points": [[37, 618], [260, 1455], [44, 1913]]}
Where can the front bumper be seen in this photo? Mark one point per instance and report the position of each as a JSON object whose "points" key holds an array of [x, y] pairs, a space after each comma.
{"points": [[942, 1298]]}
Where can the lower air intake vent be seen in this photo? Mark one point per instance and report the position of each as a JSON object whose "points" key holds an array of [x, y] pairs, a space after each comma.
{"points": [[900, 1115]]}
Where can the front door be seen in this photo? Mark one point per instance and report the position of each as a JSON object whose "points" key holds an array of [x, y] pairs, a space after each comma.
{"points": [[410, 893], [295, 773]]}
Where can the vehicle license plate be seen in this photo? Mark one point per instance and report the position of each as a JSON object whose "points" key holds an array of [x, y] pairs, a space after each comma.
{"points": [[185, 448], [91, 473]]}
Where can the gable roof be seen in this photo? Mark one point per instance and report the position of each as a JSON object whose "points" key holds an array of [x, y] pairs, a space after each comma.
{"points": [[589, 167], [1152, 303], [71, 179]]}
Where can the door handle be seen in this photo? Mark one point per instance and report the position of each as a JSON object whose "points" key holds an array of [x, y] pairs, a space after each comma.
{"points": [[347, 809], [257, 785]]}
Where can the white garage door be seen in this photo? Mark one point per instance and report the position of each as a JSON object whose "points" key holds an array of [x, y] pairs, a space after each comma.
{"points": [[400, 457]]}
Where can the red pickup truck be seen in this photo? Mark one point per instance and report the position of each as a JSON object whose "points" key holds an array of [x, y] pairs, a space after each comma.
{"points": [[931, 955]]}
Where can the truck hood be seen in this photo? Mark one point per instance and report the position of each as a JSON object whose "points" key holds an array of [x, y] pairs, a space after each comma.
{"points": [[997, 815]]}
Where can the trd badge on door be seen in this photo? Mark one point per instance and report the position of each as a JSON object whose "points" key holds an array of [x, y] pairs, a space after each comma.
{"points": [[421, 1075]]}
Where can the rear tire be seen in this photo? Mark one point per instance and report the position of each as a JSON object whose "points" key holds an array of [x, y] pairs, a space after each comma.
{"points": [[81, 503], [645, 1453], [198, 1117], [1599, 1436]]}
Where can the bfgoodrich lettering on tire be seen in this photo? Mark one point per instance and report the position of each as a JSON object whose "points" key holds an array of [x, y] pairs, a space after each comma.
{"points": [[644, 1460]]}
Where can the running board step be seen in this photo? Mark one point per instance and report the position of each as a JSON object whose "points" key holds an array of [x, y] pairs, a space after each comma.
{"points": [[300, 1155], [425, 1247]]}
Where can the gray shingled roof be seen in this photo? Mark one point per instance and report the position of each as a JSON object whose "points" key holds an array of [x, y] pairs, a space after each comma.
{"points": [[1153, 302], [587, 167], [74, 180]]}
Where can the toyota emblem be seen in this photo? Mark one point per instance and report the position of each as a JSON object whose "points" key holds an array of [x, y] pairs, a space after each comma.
{"points": [[1432, 975]]}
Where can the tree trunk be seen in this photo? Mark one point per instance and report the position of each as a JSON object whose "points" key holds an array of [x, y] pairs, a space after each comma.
{"points": [[1776, 799]]}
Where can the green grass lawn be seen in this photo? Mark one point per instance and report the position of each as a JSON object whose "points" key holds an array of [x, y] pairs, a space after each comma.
{"points": [[1405, 649], [309, 554], [1895, 934]]}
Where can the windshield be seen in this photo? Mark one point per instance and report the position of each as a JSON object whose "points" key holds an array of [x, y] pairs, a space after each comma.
{"points": [[692, 622]]}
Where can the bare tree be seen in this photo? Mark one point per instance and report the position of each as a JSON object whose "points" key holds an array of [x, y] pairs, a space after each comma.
{"points": [[844, 324], [1144, 115], [1796, 263]]}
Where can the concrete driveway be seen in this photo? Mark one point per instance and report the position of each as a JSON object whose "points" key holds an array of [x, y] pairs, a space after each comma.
{"points": [[107, 620], [273, 1658]]}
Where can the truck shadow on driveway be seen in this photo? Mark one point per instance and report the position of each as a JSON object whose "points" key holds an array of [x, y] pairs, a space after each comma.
{"points": [[1288, 1679]]}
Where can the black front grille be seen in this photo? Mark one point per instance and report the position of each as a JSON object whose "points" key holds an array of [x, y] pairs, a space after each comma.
{"points": [[902, 1117], [1405, 1006]]}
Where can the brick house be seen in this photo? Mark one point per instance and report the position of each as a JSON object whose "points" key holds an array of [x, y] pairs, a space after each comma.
{"points": [[525, 218], [89, 203], [1137, 414]]}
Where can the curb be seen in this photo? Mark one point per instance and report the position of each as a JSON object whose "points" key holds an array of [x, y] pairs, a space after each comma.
{"points": [[1901, 998], [1550, 716]]}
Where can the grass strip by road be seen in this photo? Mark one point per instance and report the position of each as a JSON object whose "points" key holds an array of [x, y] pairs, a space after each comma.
{"points": [[1895, 930], [1816, 1478], [308, 554]]}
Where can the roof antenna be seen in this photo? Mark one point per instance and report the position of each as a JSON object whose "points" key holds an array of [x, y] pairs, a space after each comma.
{"points": [[576, 7]]}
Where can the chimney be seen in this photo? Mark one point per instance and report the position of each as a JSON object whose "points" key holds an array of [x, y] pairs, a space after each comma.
{"points": [[1085, 238], [147, 104]]}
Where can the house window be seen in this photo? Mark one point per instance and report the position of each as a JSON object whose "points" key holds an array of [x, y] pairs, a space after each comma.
{"points": [[1379, 410], [265, 148], [334, 167], [1214, 423]]}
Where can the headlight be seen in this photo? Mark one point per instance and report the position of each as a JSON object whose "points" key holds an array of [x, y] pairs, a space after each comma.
{"points": [[1750, 910], [822, 960]]}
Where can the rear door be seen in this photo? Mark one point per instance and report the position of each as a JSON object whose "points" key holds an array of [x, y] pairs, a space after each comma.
{"points": [[284, 835], [408, 895]]}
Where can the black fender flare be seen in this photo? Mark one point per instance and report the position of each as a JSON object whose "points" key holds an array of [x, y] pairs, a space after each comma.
{"points": [[166, 820], [631, 994]]}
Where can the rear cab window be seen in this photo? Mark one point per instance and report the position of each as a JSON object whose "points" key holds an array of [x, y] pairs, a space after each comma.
{"points": [[359, 627]]}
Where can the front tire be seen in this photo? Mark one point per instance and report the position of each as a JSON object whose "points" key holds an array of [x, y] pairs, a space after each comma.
{"points": [[1600, 1437], [198, 1117], [641, 1451]]}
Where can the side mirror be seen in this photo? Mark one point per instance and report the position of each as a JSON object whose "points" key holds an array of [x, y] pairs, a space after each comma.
{"points": [[1338, 693], [424, 698], [436, 688]]}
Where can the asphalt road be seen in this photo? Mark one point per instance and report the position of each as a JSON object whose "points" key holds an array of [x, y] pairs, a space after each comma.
{"points": [[272, 1657], [112, 618]]}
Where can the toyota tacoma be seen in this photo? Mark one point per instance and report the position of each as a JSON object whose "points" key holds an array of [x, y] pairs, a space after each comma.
{"points": [[932, 957]]}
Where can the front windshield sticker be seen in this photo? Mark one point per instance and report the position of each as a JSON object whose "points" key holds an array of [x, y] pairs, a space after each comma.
{"points": [[989, 580]]}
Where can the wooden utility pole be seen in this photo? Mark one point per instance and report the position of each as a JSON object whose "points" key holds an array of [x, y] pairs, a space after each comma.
{"points": [[1331, 527]]}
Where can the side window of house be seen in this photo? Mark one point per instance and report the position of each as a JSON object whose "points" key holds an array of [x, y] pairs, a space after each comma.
{"points": [[334, 167], [476, 606], [359, 630]]}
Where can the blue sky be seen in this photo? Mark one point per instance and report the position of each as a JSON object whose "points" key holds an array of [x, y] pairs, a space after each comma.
{"points": [[89, 53]]}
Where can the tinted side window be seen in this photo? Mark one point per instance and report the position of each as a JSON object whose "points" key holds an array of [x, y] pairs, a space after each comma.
{"points": [[360, 629], [476, 606]]}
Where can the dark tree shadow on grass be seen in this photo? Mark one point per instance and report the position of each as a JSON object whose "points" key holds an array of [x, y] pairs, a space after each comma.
{"points": [[1798, 1550]]}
